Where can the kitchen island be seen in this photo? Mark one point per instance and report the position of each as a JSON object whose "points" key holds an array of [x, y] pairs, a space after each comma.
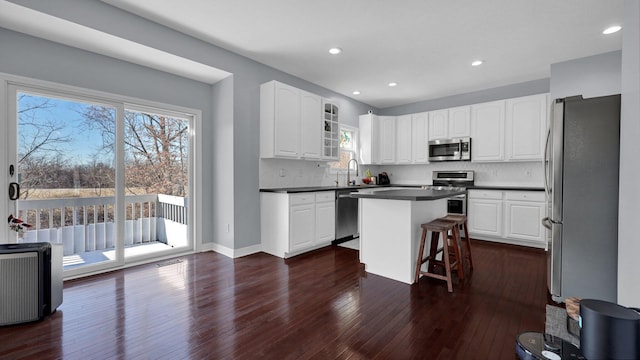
{"points": [[390, 228]]}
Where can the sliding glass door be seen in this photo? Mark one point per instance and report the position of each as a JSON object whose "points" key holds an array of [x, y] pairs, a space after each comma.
{"points": [[106, 180]]}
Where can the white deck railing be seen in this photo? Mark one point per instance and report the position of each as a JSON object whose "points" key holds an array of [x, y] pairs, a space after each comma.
{"points": [[86, 224]]}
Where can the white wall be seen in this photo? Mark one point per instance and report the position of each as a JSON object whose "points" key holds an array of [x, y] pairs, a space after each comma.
{"points": [[525, 174], [629, 206]]}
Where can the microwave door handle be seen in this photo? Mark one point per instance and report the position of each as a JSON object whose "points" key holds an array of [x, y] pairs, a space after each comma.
{"points": [[460, 149]]}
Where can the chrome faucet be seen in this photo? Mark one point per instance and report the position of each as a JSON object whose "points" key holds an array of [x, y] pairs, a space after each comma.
{"points": [[349, 171]]}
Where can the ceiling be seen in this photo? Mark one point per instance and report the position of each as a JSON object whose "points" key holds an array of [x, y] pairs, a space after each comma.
{"points": [[426, 46]]}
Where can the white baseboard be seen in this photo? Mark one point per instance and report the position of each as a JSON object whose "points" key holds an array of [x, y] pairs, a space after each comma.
{"points": [[231, 253]]}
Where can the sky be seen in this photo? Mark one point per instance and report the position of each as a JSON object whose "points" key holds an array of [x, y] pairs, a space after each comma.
{"points": [[84, 142]]}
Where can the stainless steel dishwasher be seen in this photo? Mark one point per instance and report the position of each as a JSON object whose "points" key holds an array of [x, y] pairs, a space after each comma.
{"points": [[346, 216]]}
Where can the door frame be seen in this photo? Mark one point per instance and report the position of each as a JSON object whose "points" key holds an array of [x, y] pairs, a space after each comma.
{"points": [[8, 126]]}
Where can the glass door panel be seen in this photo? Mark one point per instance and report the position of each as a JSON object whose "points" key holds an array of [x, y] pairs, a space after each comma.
{"points": [[156, 164], [66, 171]]}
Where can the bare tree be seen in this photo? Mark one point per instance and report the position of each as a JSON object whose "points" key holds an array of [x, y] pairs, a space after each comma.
{"points": [[39, 143], [155, 149]]}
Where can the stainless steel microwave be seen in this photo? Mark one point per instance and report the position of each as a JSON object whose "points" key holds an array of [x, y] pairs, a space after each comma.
{"points": [[450, 150]]}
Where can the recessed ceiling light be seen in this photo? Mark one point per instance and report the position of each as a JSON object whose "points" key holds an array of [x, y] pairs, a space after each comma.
{"points": [[477, 63], [335, 51], [612, 29], [392, 84], [356, 92]]}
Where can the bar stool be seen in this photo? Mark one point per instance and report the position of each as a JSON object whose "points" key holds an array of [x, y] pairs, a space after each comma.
{"points": [[439, 227], [461, 220]]}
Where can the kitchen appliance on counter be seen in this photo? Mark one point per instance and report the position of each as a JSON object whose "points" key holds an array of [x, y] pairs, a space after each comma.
{"points": [[450, 149], [581, 185], [383, 179], [446, 180]]}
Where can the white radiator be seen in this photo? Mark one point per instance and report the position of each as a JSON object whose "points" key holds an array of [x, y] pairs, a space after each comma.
{"points": [[19, 284]]}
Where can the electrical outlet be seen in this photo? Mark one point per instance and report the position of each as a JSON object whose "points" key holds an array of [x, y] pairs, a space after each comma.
{"points": [[527, 173], [494, 172], [282, 173]]}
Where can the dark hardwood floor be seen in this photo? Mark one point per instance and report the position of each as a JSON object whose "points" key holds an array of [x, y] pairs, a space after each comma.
{"points": [[320, 305]]}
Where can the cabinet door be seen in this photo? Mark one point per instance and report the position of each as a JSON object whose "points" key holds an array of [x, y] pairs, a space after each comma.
{"points": [[460, 122], [369, 129], [526, 127], [524, 221], [287, 116], [419, 138], [439, 124], [387, 139], [302, 226], [325, 222], [487, 131], [403, 139], [485, 217], [310, 125]]}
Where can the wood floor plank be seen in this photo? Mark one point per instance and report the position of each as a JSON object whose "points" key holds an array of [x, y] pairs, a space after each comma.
{"points": [[320, 305]]}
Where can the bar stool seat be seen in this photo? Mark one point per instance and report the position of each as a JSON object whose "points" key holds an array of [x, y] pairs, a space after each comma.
{"points": [[461, 221], [437, 228]]}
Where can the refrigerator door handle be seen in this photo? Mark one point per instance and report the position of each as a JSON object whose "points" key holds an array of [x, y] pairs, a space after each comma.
{"points": [[545, 163]]}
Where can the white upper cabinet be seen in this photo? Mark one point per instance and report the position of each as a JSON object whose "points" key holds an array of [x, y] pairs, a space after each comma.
{"points": [[439, 124], [310, 125], [279, 120], [449, 123], [387, 139], [487, 131], [330, 132], [290, 122], [369, 129], [460, 122], [526, 127], [403, 139], [419, 138]]}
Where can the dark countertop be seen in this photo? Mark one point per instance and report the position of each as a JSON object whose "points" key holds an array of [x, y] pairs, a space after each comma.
{"points": [[408, 194], [506, 188], [292, 190]]}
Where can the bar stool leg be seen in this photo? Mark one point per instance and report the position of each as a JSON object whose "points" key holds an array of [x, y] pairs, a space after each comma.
{"points": [[457, 250], [447, 264], [468, 241], [433, 251], [420, 254]]}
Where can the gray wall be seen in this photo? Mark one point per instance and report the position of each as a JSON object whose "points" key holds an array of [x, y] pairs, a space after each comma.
{"points": [[240, 179], [629, 206], [499, 93], [592, 76]]}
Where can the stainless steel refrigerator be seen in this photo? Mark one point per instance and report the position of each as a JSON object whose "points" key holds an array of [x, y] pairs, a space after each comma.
{"points": [[581, 183]]}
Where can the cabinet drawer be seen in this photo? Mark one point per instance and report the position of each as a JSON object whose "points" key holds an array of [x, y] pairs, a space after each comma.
{"points": [[325, 196], [485, 194], [302, 198], [537, 196]]}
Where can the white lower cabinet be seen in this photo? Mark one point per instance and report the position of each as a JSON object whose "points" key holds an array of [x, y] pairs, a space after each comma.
{"points": [[325, 217], [292, 224], [302, 219], [485, 212], [513, 217], [524, 212]]}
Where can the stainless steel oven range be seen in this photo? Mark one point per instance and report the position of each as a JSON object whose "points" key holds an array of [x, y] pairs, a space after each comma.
{"points": [[443, 180]]}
